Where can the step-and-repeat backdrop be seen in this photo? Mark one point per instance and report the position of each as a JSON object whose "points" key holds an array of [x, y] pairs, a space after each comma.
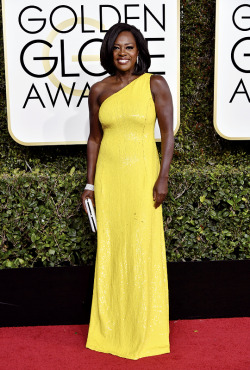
{"points": [[52, 59], [232, 69]]}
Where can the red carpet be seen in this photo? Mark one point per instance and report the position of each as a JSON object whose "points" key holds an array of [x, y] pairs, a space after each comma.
{"points": [[195, 344]]}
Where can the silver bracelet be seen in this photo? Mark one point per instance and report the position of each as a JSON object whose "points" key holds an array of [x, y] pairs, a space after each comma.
{"points": [[89, 187]]}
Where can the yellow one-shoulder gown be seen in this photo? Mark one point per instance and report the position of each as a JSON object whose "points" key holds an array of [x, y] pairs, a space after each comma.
{"points": [[130, 308]]}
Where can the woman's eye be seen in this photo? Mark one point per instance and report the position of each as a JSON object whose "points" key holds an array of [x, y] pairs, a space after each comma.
{"points": [[115, 47], [130, 47]]}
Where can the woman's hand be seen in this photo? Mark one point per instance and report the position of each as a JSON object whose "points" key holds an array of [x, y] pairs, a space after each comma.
{"points": [[160, 191], [87, 194]]}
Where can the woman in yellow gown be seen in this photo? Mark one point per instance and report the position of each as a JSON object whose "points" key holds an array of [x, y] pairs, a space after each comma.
{"points": [[127, 184]]}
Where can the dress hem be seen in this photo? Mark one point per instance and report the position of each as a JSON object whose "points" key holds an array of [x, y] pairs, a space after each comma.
{"points": [[153, 353]]}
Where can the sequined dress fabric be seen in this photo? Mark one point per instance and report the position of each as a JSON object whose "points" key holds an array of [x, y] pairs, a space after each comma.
{"points": [[130, 307]]}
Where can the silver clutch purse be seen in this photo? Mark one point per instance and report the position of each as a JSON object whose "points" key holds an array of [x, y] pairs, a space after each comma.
{"points": [[91, 214]]}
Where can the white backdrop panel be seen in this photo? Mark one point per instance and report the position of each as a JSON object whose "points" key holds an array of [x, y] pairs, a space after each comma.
{"points": [[33, 119], [232, 69]]}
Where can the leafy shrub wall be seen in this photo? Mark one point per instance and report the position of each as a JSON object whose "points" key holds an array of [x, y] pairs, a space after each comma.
{"points": [[206, 214], [206, 217]]}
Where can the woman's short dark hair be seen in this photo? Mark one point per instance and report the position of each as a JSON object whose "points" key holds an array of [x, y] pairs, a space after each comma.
{"points": [[106, 54]]}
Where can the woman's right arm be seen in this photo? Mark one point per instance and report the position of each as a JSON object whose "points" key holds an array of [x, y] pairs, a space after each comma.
{"points": [[94, 141]]}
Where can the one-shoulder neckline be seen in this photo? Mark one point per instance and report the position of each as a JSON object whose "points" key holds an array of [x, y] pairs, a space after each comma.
{"points": [[123, 88]]}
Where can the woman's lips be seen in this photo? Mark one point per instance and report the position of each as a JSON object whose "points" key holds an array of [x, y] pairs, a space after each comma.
{"points": [[122, 61]]}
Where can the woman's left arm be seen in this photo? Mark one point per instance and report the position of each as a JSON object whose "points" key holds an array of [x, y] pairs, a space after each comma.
{"points": [[164, 112]]}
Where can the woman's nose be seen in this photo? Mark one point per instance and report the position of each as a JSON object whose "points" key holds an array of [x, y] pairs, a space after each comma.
{"points": [[122, 51]]}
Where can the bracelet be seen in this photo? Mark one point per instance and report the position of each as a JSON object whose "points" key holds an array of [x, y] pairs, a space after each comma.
{"points": [[89, 187]]}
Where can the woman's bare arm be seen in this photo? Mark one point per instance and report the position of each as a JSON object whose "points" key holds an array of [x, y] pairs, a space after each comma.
{"points": [[164, 111], [94, 140]]}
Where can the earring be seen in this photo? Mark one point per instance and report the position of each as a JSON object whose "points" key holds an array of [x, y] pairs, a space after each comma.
{"points": [[137, 59]]}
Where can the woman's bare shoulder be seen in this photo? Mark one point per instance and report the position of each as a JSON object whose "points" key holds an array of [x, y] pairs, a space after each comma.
{"points": [[98, 88], [158, 82], [159, 85]]}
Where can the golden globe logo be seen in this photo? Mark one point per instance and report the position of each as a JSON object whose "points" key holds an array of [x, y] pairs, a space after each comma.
{"points": [[57, 59], [68, 26]]}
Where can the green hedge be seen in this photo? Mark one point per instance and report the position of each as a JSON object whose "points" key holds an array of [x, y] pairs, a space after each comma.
{"points": [[42, 222], [206, 217], [206, 213]]}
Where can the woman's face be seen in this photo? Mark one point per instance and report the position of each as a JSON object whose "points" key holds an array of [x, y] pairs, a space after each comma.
{"points": [[125, 52]]}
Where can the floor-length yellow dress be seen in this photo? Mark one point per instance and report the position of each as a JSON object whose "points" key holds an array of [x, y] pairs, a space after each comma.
{"points": [[130, 308]]}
